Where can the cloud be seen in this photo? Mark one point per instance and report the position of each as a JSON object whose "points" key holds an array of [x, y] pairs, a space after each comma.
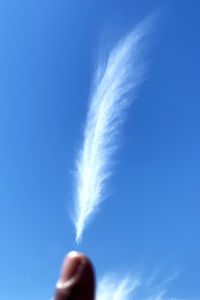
{"points": [[117, 81], [110, 288], [132, 288]]}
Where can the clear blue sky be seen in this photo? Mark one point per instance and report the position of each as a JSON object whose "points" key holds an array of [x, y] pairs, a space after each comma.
{"points": [[151, 220]]}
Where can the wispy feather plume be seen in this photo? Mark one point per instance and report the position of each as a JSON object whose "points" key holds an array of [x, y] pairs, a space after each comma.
{"points": [[116, 84]]}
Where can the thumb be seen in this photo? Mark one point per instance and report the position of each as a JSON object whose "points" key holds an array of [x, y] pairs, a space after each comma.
{"points": [[77, 280]]}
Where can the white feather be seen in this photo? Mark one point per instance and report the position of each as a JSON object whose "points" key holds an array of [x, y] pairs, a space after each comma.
{"points": [[117, 81]]}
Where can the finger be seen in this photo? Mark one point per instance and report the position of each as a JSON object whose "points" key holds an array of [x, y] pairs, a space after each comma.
{"points": [[77, 279]]}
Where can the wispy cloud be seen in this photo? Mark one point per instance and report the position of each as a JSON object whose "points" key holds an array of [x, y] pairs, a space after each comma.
{"points": [[113, 289], [131, 288], [115, 88]]}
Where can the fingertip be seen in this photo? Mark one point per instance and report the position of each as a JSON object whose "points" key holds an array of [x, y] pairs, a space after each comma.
{"points": [[77, 279], [71, 266]]}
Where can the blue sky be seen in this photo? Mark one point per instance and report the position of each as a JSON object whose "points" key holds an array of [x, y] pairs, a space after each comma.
{"points": [[151, 220]]}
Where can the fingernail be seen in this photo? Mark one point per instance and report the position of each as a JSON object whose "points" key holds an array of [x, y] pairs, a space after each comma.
{"points": [[70, 266]]}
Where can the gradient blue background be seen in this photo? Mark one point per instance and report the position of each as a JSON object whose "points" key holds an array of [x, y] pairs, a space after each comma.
{"points": [[48, 50]]}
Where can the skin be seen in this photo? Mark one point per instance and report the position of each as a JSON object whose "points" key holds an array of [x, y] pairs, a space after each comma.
{"points": [[77, 279]]}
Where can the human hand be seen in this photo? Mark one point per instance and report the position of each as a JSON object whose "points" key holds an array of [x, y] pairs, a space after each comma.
{"points": [[77, 279]]}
